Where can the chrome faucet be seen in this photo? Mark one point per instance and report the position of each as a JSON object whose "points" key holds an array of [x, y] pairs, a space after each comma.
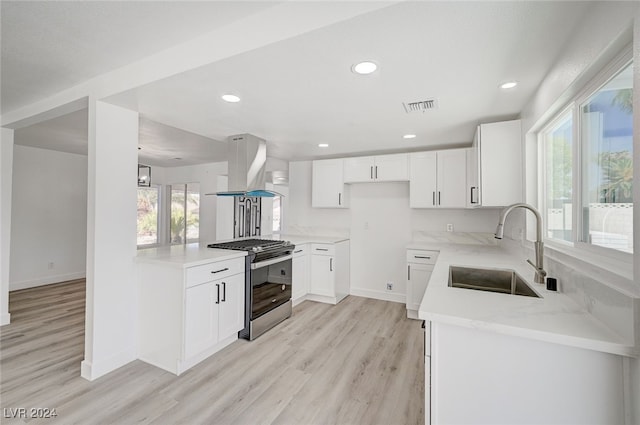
{"points": [[539, 246]]}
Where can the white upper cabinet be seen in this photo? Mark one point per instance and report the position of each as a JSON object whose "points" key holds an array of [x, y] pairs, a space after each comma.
{"points": [[438, 179], [327, 184], [423, 179], [388, 168], [497, 168]]}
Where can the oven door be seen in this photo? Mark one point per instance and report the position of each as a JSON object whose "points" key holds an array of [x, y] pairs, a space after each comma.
{"points": [[270, 284]]}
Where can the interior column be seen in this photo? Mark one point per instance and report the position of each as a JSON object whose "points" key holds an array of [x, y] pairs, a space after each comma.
{"points": [[111, 310], [6, 172]]}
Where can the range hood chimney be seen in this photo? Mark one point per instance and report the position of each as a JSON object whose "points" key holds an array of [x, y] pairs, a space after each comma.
{"points": [[247, 156]]}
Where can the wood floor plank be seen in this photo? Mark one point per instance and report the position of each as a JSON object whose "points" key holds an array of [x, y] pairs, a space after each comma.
{"points": [[359, 362]]}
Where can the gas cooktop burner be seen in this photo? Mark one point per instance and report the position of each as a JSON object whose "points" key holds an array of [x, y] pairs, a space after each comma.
{"points": [[255, 245]]}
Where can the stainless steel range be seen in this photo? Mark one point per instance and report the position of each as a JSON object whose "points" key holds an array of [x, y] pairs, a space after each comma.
{"points": [[267, 283]]}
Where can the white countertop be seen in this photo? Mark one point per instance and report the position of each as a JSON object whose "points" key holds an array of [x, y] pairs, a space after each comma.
{"points": [[189, 255], [553, 318]]}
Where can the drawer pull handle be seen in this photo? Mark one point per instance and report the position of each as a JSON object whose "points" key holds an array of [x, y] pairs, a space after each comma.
{"points": [[221, 270], [295, 252], [421, 256], [274, 300], [322, 249]]}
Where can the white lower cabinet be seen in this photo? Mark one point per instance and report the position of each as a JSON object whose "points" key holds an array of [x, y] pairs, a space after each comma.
{"points": [[420, 264], [506, 379], [329, 280], [188, 314], [300, 266]]}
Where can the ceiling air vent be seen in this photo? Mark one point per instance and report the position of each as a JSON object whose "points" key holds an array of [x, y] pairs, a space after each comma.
{"points": [[420, 106]]}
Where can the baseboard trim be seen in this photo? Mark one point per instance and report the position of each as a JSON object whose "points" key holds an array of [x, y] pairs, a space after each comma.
{"points": [[298, 300], [379, 295], [5, 319], [47, 280], [94, 370]]}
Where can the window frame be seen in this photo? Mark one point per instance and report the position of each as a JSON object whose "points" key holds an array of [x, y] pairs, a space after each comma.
{"points": [[159, 233], [168, 209], [608, 258]]}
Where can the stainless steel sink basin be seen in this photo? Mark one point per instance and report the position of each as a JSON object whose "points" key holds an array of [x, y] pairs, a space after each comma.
{"points": [[493, 280]]}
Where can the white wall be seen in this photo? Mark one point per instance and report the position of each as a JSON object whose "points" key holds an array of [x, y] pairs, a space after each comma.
{"points": [[380, 224], [6, 167], [49, 210], [112, 296]]}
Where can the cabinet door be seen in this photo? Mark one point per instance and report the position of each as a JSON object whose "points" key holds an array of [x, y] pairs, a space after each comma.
{"points": [[391, 168], [501, 163], [422, 180], [358, 170], [200, 330], [417, 279], [327, 186], [452, 178], [322, 275], [300, 272], [473, 174], [231, 307]]}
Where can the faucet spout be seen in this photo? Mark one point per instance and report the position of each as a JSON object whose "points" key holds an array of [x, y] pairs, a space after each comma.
{"points": [[538, 245]]}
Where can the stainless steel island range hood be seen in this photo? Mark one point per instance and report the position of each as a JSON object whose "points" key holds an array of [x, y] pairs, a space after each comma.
{"points": [[247, 156]]}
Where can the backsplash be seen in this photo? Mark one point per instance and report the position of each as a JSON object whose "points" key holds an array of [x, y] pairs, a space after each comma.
{"points": [[318, 231], [466, 238]]}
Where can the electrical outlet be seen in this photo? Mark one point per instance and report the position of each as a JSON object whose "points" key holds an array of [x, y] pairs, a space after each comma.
{"points": [[389, 286], [449, 227], [51, 265]]}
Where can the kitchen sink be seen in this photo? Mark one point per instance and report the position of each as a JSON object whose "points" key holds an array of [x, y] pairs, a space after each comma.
{"points": [[493, 280]]}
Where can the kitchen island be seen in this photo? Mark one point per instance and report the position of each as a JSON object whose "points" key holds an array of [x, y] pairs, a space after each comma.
{"points": [[191, 303], [515, 359]]}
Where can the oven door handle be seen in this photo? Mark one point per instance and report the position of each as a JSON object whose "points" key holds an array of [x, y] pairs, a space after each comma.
{"points": [[271, 261]]}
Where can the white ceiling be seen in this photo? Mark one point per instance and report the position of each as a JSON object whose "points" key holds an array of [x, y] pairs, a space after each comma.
{"points": [[160, 145], [300, 92]]}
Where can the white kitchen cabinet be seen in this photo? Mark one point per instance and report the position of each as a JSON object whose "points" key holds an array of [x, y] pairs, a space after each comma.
{"points": [[420, 264], [381, 168], [200, 327], [496, 377], [329, 281], [187, 314], [300, 270], [231, 307], [437, 179], [496, 167], [327, 185]]}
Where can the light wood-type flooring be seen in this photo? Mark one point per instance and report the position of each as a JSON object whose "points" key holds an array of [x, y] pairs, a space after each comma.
{"points": [[360, 362]]}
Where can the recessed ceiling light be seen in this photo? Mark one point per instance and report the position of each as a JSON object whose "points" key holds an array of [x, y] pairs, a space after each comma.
{"points": [[409, 136], [364, 68], [232, 98], [323, 145], [508, 85]]}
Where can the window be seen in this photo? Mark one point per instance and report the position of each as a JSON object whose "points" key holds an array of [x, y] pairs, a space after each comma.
{"points": [[184, 220], [148, 215], [587, 178], [606, 141], [558, 177]]}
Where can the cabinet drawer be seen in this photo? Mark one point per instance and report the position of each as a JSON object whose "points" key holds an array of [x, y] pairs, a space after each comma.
{"points": [[300, 250], [421, 256], [214, 271], [323, 249]]}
